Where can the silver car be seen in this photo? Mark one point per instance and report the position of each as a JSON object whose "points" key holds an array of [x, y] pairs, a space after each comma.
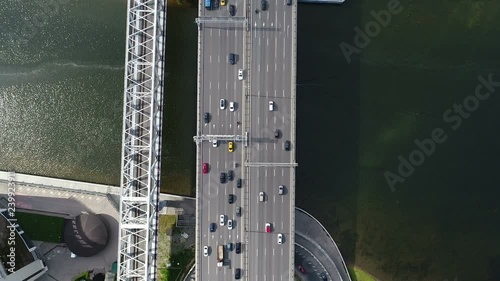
{"points": [[222, 104], [261, 196], [230, 224], [222, 220], [281, 189]]}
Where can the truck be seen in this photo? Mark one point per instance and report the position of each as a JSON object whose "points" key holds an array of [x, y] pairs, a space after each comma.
{"points": [[220, 255]]}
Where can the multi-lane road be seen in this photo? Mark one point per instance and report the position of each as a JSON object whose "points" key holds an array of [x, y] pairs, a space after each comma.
{"points": [[264, 44]]}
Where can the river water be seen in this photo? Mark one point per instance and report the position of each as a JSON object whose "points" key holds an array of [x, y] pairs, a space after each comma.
{"points": [[61, 87]]}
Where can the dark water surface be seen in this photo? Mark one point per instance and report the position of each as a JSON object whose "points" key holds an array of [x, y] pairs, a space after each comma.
{"points": [[61, 87]]}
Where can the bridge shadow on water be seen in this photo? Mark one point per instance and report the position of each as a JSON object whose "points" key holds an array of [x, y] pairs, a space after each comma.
{"points": [[328, 120]]}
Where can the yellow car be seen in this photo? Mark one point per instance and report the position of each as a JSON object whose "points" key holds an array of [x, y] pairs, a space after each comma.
{"points": [[223, 2], [230, 146]]}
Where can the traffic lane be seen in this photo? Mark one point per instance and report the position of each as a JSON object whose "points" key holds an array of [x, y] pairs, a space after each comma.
{"points": [[313, 268], [267, 254]]}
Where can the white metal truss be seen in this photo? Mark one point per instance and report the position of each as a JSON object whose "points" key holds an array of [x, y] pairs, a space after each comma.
{"points": [[199, 139], [201, 20], [142, 123], [256, 164]]}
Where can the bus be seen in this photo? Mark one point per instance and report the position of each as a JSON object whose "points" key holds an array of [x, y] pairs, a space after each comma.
{"points": [[208, 4]]}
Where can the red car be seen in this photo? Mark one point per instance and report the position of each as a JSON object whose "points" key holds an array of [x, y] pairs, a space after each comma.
{"points": [[205, 168], [268, 228], [302, 269]]}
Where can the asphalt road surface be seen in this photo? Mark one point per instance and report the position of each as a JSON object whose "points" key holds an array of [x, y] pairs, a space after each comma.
{"points": [[268, 77]]}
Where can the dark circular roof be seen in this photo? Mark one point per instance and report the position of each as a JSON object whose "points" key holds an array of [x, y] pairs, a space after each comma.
{"points": [[86, 235]]}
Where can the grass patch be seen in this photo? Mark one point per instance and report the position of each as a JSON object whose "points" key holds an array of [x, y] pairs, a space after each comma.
{"points": [[357, 274], [41, 228], [179, 262], [167, 223]]}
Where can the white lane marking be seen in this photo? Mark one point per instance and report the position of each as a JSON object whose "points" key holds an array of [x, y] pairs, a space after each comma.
{"points": [[274, 172], [283, 67], [257, 252], [259, 40], [226, 85], [219, 32], [265, 251], [273, 255], [265, 172], [267, 121], [217, 164], [283, 119], [267, 94], [274, 119], [210, 58], [276, 47], [258, 120], [267, 41], [275, 93], [267, 67], [210, 32], [258, 147], [218, 85], [257, 177], [274, 146], [282, 173], [282, 254], [266, 146], [281, 225], [283, 50], [218, 58], [259, 67], [274, 201], [275, 67], [283, 90], [210, 85], [227, 32]]}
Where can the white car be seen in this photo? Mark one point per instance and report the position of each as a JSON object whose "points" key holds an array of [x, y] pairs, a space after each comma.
{"points": [[280, 238], [231, 106], [222, 104], [215, 143], [205, 251], [280, 190], [261, 196], [230, 224], [240, 74], [271, 105], [222, 220]]}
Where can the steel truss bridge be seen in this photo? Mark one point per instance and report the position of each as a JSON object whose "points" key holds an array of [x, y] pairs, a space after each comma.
{"points": [[141, 152]]}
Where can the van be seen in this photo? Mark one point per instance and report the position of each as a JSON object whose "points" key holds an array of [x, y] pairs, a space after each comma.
{"points": [[261, 196], [232, 58], [271, 105]]}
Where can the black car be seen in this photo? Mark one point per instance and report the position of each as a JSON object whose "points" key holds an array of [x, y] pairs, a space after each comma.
{"points": [[287, 145], [238, 247], [277, 134], [263, 5], [230, 199], [230, 175], [232, 10], [212, 227], [237, 273], [206, 117], [229, 246], [232, 58], [222, 177], [238, 183]]}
